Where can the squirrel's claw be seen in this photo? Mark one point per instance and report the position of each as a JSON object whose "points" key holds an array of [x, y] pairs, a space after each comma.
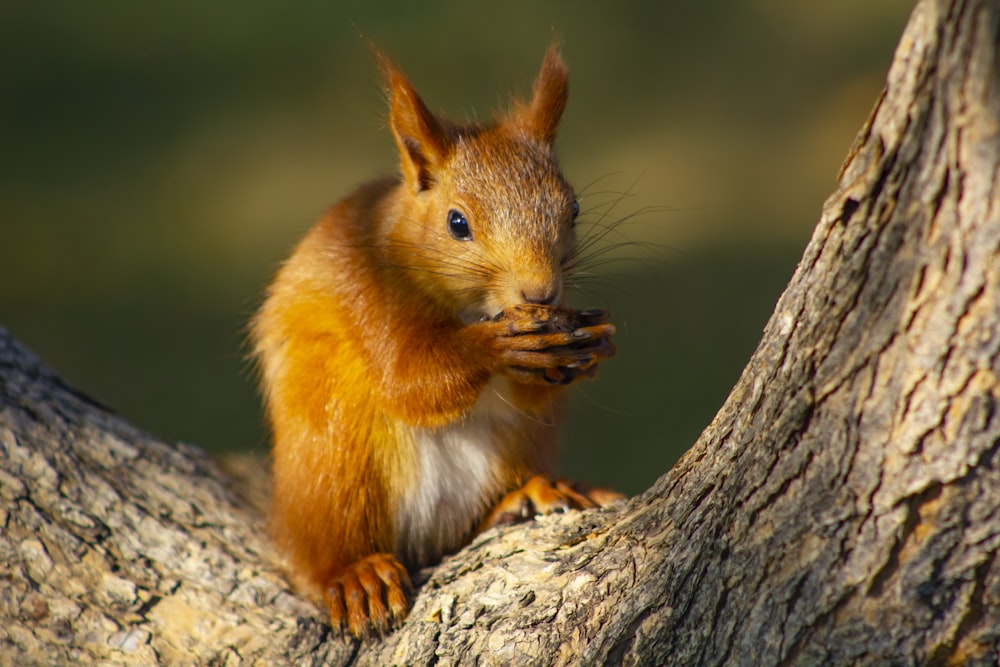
{"points": [[540, 495], [368, 596], [552, 345]]}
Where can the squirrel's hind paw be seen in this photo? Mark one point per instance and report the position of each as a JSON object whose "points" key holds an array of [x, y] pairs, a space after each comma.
{"points": [[540, 495], [368, 596]]}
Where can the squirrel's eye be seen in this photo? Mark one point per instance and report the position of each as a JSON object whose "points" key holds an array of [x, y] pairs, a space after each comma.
{"points": [[576, 211], [458, 226]]}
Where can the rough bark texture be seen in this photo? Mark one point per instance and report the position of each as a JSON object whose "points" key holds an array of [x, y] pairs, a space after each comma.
{"points": [[842, 508]]}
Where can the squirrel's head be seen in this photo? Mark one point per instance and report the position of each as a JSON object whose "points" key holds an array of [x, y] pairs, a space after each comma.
{"points": [[484, 216]]}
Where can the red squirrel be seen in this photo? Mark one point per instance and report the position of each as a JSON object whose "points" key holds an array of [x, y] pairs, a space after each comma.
{"points": [[414, 353]]}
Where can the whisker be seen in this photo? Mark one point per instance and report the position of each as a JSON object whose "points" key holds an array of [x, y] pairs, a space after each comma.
{"points": [[538, 420], [604, 406], [584, 190], [463, 268], [605, 230], [431, 272], [603, 241], [603, 283]]}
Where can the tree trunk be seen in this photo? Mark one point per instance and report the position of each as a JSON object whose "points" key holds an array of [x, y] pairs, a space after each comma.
{"points": [[842, 508]]}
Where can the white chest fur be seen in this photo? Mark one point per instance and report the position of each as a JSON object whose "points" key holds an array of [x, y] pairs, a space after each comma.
{"points": [[457, 477]]}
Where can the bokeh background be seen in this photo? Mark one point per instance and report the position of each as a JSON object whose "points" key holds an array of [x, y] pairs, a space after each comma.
{"points": [[157, 160]]}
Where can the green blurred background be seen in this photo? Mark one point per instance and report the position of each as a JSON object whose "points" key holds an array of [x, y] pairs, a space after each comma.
{"points": [[159, 159]]}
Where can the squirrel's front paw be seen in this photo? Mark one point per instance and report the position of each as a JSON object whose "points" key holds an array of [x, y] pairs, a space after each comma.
{"points": [[548, 345], [368, 595]]}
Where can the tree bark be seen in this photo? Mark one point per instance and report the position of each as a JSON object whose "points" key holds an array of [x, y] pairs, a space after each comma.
{"points": [[842, 508]]}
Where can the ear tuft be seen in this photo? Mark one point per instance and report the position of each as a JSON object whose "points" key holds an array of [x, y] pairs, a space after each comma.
{"points": [[422, 139], [548, 100]]}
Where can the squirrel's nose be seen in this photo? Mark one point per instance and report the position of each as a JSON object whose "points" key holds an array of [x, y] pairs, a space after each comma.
{"points": [[540, 297]]}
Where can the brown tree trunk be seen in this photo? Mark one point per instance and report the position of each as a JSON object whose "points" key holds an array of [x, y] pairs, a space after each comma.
{"points": [[842, 508]]}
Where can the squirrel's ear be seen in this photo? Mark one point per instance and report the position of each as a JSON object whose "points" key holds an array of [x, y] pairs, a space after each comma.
{"points": [[548, 99], [422, 140]]}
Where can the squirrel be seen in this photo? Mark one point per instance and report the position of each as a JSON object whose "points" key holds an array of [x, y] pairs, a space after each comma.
{"points": [[414, 352]]}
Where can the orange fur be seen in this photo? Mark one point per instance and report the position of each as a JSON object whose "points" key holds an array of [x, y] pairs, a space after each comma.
{"points": [[407, 373]]}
